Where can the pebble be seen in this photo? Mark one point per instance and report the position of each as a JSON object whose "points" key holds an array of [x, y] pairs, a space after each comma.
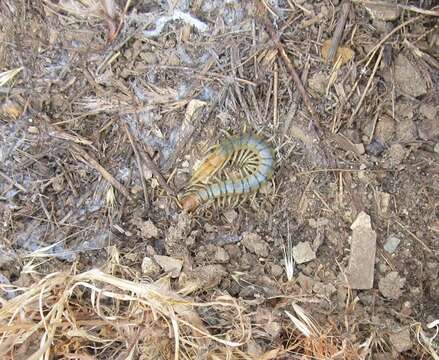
{"points": [[428, 125], [221, 255], [276, 270], [391, 244], [149, 267], [383, 200], [401, 340], [407, 77], [390, 286], [303, 252], [203, 277], [254, 243], [362, 258], [375, 148], [397, 154], [325, 290], [169, 264], [383, 11]]}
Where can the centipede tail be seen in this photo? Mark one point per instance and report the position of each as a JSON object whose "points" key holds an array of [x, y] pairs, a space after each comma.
{"points": [[250, 154]]}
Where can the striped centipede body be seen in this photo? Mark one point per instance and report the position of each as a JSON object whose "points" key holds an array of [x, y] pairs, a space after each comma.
{"points": [[249, 153]]}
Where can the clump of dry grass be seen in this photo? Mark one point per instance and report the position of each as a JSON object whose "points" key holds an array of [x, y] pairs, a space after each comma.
{"points": [[316, 343], [98, 315]]}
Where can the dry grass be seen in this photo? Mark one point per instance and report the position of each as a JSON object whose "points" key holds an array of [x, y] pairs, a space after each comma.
{"points": [[99, 315]]}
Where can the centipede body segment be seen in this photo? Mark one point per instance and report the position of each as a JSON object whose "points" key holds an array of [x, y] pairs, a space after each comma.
{"points": [[250, 154]]}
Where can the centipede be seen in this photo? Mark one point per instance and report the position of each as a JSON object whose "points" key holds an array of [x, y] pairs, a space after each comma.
{"points": [[249, 154]]}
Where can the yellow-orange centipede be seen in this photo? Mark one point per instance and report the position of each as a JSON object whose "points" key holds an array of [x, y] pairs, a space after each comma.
{"points": [[250, 153]]}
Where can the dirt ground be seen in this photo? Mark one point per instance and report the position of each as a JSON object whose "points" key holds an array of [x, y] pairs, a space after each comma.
{"points": [[107, 107]]}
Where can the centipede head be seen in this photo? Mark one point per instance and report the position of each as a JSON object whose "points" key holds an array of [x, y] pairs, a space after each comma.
{"points": [[189, 202]]}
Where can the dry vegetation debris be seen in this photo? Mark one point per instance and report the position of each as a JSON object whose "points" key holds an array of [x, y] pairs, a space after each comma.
{"points": [[106, 107]]}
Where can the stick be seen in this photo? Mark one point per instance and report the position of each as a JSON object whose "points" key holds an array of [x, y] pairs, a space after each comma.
{"points": [[139, 164], [292, 71], [338, 33], [384, 39], [156, 172], [369, 82], [107, 176]]}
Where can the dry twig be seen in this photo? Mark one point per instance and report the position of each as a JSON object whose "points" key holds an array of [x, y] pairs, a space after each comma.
{"points": [[369, 83], [292, 71], [139, 165], [156, 172], [107, 176], [338, 33]]}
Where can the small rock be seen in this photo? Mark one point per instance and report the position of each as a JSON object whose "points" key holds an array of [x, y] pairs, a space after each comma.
{"points": [[383, 267], [324, 289], [303, 252], [203, 277], [362, 220], [390, 286], [428, 126], [401, 340], [176, 235], [408, 79], [255, 244], [383, 11], [147, 228], [397, 154], [359, 149], [406, 131], [404, 109], [169, 264], [221, 255], [385, 129], [362, 258], [276, 270], [383, 200], [317, 82], [429, 111], [149, 267], [391, 244], [375, 148], [406, 309]]}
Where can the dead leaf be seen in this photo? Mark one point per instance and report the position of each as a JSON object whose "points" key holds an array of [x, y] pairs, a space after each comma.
{"points": [[344, 54]]}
